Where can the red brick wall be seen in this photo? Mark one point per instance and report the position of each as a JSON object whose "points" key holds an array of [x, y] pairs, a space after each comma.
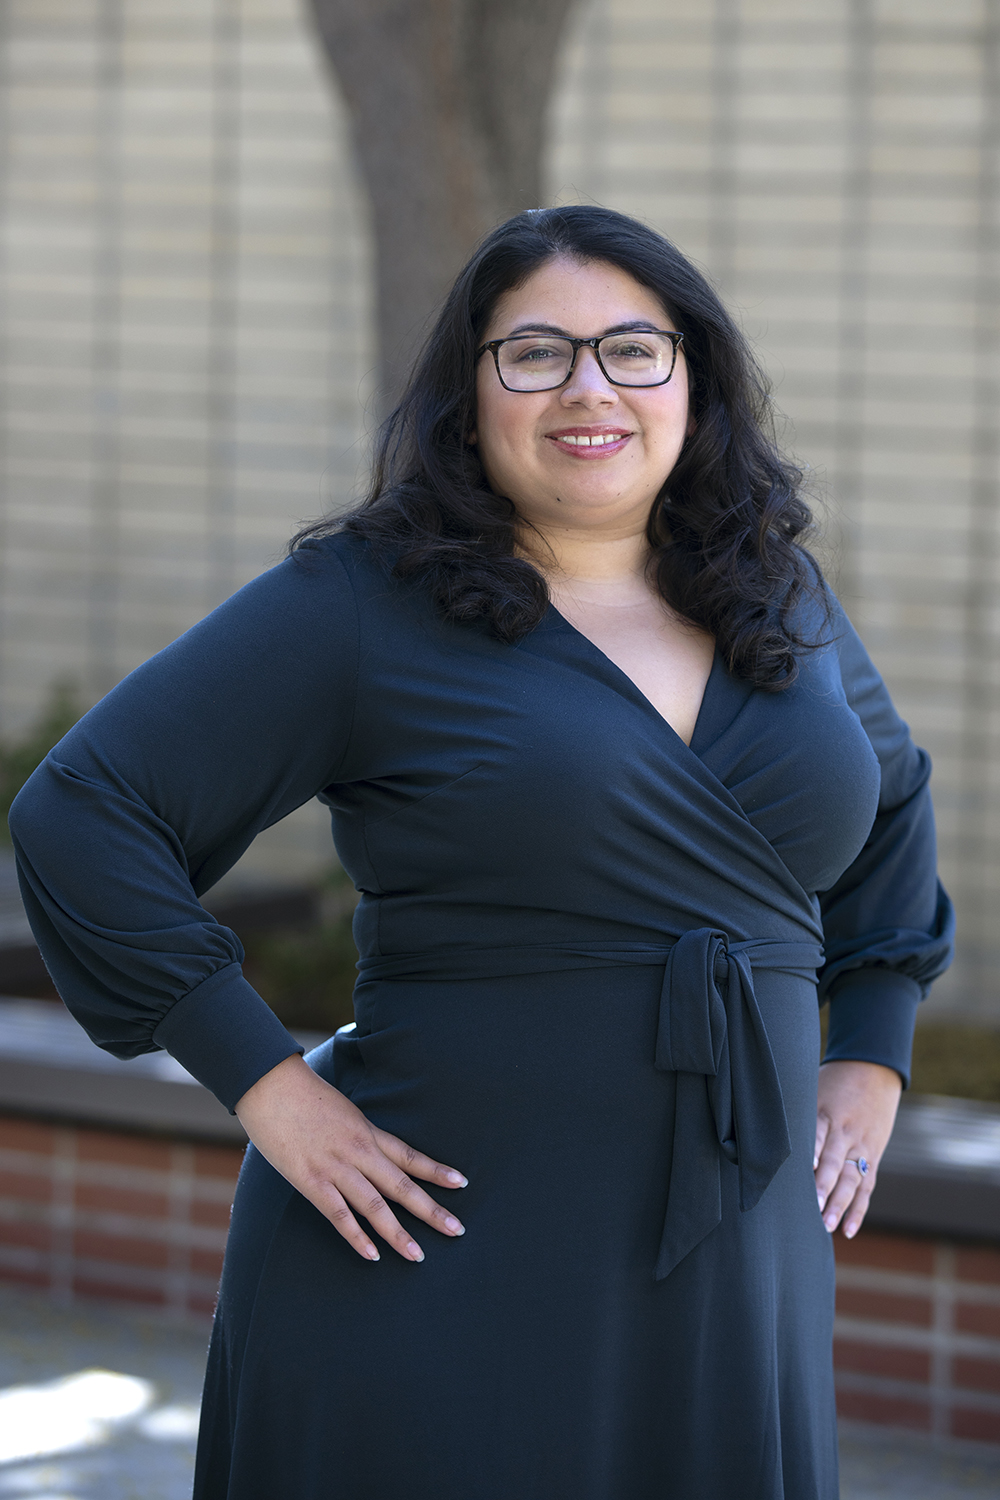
{"points": [[97, 1213], [918, 1334]]}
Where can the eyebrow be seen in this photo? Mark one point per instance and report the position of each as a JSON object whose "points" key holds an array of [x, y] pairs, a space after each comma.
{"points": [[639, 324]]}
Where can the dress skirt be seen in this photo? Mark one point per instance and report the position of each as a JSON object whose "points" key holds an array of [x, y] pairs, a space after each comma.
{"points": [[536, 1357]]}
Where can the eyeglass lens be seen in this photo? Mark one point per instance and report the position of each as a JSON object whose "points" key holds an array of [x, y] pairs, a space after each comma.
{"points": [[541, 362]]}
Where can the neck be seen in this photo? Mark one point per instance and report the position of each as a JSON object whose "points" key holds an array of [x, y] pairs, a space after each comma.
{"points": [[566, 555]]}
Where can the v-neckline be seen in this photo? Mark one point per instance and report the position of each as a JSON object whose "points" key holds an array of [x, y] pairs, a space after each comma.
{"points": [[716, 668], [722, 691]]}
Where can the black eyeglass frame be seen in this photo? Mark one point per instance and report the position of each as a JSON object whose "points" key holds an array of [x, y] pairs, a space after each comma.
{"points": [[494, 345]]}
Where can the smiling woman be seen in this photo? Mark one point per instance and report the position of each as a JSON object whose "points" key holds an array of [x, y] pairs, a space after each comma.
{"points": [[583, 451], [722, 531], [617, 784]]}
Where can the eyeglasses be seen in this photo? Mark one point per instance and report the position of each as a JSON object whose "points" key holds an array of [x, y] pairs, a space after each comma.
{"points": [[544, 362]]}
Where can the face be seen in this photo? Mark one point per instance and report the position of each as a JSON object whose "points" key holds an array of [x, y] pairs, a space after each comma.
{"points": [[524, 437]]}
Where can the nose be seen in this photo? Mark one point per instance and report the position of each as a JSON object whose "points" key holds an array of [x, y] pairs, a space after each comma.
{"points": [[588, 385]]}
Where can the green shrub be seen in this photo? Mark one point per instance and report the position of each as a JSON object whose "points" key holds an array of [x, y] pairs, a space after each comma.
{"points": [[20, 755], [307, 975], [957, 1058]]}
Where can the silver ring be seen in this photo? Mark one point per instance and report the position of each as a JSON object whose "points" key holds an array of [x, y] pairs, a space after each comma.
{"points": [[863, 1166]]}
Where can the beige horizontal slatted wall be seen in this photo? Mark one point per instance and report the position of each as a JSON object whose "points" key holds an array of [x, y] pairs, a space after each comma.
{"points": [[184, 276]]}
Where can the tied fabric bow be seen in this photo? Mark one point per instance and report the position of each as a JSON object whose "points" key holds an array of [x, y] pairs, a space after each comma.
{"points": [[728, 1102]]}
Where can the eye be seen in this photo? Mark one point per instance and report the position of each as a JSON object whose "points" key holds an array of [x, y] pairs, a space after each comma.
{"points": [[632, 348], [534, 352]]}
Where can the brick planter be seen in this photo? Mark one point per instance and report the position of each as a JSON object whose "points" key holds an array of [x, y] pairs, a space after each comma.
{"points": [[101, 1213], [116, 1182], [918, 1334], [98, 1213]]}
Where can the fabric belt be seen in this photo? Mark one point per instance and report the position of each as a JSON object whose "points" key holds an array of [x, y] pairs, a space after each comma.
{"points": [[710, 1033]]}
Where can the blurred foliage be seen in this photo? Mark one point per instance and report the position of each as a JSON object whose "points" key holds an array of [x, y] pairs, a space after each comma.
{"points": [[962, 1060], [307, 974], [19, 756]]}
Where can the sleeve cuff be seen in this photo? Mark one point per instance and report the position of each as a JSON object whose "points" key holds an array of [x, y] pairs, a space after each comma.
{"points": [[873, 1013], [225, 1035]]}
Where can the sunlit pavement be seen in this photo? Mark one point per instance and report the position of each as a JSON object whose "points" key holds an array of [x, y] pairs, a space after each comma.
{"points": [[101, 1404], [95, 1404]]}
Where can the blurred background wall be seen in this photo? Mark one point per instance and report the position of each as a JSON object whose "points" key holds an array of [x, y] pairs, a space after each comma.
{"points": [[186, 306], [188, 357]]}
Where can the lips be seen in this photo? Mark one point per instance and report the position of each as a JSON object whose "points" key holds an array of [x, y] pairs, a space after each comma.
{"points": [[587, 442]]}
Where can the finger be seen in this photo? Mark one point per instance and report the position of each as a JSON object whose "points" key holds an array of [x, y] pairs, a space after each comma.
{"points": [[401, 1189], [848, 1203], [333, 1207], [835, 1152], [394, 1183], [822, 1131], [854, 1217], [840, 1199], [366, 1199], [415, 1163]]}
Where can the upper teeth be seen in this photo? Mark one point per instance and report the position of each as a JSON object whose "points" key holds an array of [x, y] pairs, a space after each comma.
{"points": [[592, 442]]}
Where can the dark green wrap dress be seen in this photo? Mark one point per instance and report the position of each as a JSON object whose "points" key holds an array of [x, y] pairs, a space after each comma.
{"points": [[588, 979]]}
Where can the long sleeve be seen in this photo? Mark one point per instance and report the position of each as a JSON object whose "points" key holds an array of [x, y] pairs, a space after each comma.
{"points": [[158, 791], [889, 926]]}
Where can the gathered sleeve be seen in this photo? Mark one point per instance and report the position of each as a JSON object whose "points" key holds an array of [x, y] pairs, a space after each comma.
{"points": [[158, 790], [888, 923]]}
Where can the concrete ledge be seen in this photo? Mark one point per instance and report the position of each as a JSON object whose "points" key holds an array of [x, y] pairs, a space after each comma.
{"points": [[941, 1172]]}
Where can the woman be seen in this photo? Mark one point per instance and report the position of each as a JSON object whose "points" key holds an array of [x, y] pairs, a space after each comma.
{"points": [[599, 842]]}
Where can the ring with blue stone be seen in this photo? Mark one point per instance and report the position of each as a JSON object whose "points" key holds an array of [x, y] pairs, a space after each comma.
{"points": [[863, 1166]]}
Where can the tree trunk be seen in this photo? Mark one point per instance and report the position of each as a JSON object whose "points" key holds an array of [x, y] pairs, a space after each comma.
{"points": [[447, 100]]}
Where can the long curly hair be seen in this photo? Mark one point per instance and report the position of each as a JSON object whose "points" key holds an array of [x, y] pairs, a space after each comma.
{"points": [[725, 529]]}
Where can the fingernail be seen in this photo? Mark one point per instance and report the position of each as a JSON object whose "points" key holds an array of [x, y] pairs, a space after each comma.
{"points": [[821, 1200], [458, 1179], [371, 1252], [414, 1251], [831, 1222], [454, 1226], [815, 1162], [851, 1231]]}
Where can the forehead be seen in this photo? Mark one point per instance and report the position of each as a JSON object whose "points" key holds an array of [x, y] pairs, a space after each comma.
{"points": [[580, 297]]}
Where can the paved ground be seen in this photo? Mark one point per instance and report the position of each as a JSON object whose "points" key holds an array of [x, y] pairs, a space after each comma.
{"points": [[126, 1434], [99, 1404], [884, 1467]]}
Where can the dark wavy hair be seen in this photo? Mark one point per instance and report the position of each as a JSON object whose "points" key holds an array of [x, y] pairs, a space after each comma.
{"points": [[724, 531]]}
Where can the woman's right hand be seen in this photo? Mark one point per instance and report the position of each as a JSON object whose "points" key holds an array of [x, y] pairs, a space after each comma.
{"points": [[323, 1145]]}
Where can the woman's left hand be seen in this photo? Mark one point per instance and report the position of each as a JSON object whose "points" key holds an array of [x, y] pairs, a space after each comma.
{"points": [[855, 1114]]}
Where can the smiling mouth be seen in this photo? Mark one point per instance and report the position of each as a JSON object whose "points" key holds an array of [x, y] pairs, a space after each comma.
{"points": [[587, 441]]}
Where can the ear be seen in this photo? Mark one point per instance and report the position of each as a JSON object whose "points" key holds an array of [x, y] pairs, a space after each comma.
{"points": [[472, 437], [692, 426]]}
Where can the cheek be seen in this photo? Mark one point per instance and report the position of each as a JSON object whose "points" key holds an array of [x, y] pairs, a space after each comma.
{"points": [[506, 465], [488, 421], [673, 423], [502, 429]]}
